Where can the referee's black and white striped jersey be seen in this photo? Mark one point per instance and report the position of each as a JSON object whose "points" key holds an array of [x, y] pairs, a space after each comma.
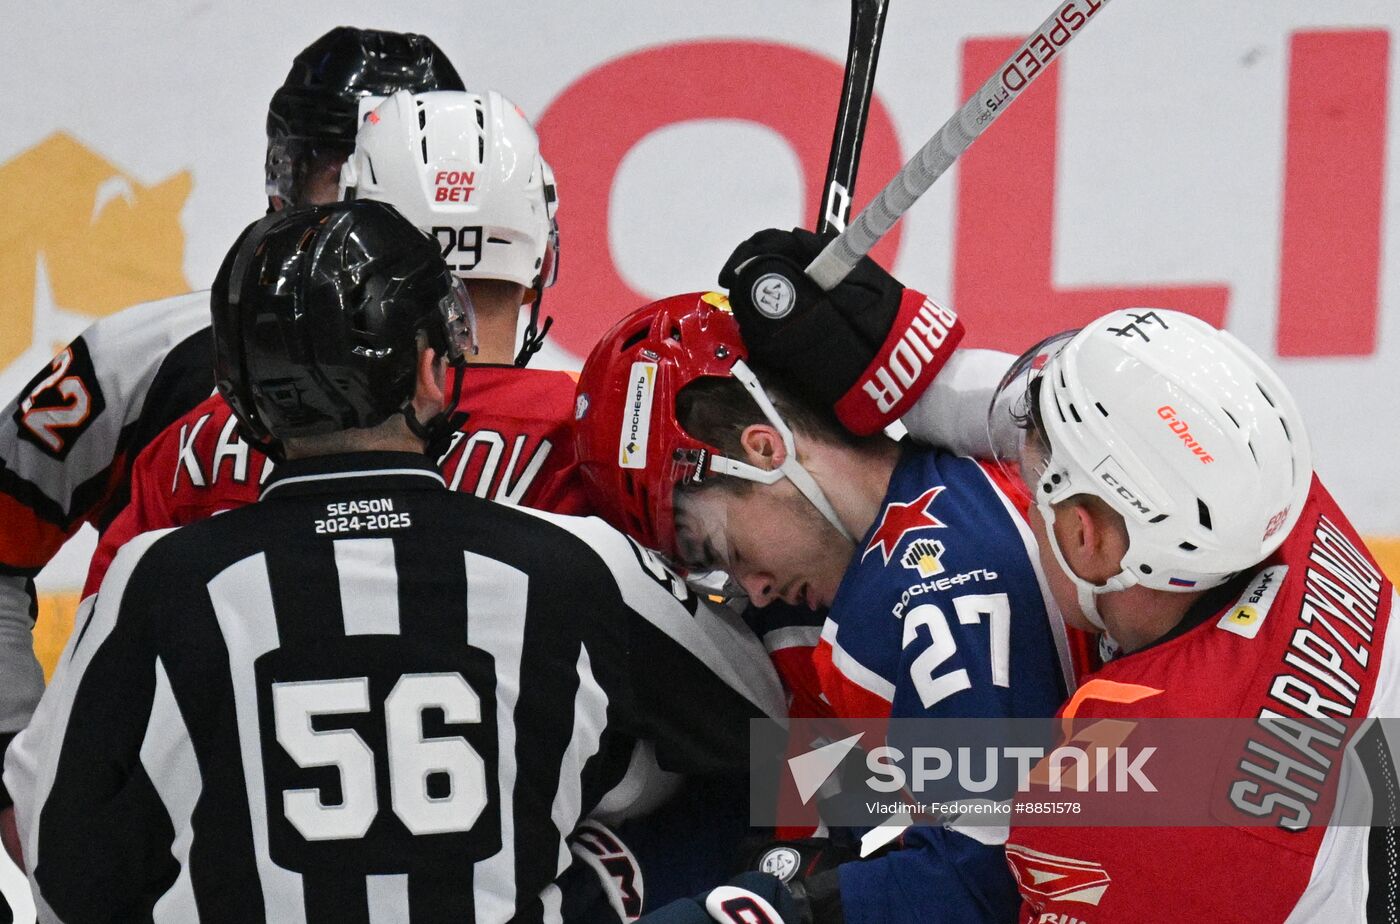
{"points": [[364, 699]]}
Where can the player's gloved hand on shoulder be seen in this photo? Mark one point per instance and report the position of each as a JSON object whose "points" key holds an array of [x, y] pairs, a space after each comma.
{"points": [[787, 882], [868, 348], [796, 860], [749, 898]]}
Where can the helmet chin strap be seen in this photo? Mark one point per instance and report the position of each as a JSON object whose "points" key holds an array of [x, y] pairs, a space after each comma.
{"points": [[436, 432], [533, 339], [1088, 593], [790, 468]]}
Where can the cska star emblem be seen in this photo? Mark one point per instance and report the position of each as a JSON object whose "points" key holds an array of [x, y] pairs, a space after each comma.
{"points": [[899, 519]]}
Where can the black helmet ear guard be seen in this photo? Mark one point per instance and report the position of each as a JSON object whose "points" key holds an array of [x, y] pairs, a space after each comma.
{"points": [[314, 115], [316, 316]]}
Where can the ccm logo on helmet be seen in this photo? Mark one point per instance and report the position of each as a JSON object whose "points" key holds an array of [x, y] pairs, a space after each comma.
{"points": [[927, 330], [1183, 431], [454, 185], [1112, 474]]}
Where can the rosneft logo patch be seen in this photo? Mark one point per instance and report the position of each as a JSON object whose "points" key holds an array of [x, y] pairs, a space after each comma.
{"points": [[924, 556], [85, 239], [636, 418]]}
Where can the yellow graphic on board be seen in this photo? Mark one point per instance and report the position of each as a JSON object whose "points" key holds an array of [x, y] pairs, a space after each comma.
{"points": [[81, 238]]}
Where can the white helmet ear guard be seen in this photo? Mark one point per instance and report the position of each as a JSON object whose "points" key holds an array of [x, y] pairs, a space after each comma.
{"points": [[1179, 428]]}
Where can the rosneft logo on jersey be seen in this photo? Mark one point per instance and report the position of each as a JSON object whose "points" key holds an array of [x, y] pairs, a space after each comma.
{"points": [[85, 239], [924, 556]]}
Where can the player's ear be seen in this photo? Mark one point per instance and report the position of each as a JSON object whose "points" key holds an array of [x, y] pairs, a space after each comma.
{"points": [[1092, 538], [431, 381], [763, 446]]}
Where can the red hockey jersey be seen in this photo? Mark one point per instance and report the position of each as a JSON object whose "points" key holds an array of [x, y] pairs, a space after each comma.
{"points": [[516, 447], [1299, 642]]}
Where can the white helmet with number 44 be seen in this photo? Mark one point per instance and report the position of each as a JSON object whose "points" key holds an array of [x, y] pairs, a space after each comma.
{"points": [[466, 168], [1179, 427]]}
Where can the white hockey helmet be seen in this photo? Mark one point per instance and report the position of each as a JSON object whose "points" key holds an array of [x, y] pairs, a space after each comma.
{"points": [[465, 168], [1180, 428]]}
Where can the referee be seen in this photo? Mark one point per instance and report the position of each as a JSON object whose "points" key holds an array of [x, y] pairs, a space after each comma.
{"points": [[365, 698]]}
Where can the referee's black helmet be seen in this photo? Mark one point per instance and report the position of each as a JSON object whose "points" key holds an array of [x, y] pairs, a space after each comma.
{"points": [[316, 317]]}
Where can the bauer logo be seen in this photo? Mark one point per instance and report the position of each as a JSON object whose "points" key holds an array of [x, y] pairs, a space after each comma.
{"points": [[773, 295], [636, 418], [93, 240], [1246, 617]]}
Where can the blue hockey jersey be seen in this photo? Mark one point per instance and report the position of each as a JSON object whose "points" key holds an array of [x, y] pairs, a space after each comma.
{"points": [[942, 613]]}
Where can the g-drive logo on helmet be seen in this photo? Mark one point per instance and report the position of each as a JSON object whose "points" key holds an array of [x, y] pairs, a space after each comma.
{"points": [[636, 422]]}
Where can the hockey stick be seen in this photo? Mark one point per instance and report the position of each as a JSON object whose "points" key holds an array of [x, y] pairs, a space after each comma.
{"points": [[862, 54], [947, 144]]}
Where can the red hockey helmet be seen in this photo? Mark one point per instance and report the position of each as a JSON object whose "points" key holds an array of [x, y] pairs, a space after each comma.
{"points": [[631, 449]]}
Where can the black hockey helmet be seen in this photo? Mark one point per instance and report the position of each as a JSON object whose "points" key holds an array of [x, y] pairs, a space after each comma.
{"points": [[316, 315], [314, 115]]}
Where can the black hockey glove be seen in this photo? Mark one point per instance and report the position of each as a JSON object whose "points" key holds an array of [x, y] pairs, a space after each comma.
{"points": [[867, 349], [605, 882]]}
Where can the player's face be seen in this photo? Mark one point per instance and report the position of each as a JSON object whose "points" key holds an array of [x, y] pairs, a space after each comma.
{"points": [[1062, 588], [769, 538]]}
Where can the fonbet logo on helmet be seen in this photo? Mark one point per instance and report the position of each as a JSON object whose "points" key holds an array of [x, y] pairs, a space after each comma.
{"points": [[773, 295], [636, 422]]}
